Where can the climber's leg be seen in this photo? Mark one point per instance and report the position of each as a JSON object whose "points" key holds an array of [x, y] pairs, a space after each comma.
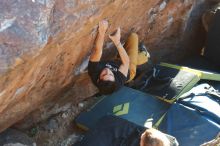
{"points": [[131, 47]]}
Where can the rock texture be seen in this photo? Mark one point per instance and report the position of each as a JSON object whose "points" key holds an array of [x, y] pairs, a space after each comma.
{"points": [[12, 137], [45, 44]]}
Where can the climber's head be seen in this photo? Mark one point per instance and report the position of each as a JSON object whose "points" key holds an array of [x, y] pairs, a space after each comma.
{"points": [[107, 83]]}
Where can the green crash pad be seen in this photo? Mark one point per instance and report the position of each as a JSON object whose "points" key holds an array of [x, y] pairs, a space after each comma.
{"points": [[132, 105]]}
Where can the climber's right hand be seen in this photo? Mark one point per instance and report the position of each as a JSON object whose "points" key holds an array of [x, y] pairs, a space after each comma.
{"points": [[103, 26]]}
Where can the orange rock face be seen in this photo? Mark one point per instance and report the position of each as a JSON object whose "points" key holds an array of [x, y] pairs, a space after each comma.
{"points": [[45, 44]]}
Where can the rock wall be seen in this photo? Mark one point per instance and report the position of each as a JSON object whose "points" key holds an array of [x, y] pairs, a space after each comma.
{"points": [[45, 44]]}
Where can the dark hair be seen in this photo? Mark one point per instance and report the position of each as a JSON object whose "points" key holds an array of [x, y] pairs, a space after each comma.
{"points": [[107, 87], [152, 141]]}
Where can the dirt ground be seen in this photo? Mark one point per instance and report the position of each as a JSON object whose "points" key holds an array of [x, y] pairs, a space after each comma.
{"points": [[60, 130]]}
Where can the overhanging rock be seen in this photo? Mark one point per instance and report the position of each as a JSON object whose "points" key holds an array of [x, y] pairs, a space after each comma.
{"points": [[44, 42]]}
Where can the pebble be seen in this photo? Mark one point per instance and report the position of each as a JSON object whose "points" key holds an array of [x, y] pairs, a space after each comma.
{"points": [[64, 115], [81, 105], [52, 125]]}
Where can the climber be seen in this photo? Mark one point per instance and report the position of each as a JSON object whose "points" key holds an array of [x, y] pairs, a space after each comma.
{"points": [[109, 76]]}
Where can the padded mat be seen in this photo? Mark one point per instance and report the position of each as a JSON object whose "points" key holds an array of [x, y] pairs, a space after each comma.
{"points": [[189, 126], [169, 81], [205, 99], [127, 103]]}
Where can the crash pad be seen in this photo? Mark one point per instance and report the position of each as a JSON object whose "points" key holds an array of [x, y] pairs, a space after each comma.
{"points": [[129, 104], [195, 118], [188, 126], [168, 81], [205, 99]]}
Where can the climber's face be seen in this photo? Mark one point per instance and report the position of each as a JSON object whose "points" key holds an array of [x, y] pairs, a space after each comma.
{"points": [[107, 75]]}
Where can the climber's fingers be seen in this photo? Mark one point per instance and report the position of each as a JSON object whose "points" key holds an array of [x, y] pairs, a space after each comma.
{"points": [[103, 26]]}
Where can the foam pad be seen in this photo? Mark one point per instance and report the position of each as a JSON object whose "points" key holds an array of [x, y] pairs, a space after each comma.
{"points": [[203, 98], [188, 126], [195, 118], [132, 105], [169, 82]]}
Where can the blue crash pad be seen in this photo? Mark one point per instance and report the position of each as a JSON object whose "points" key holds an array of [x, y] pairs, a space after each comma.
{"points": [[188, 126], [194, 119], [206, 103], [127, 103]]}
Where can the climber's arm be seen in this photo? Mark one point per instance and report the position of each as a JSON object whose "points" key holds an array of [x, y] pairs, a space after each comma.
{"points": [[123, 54], [125, 60], [97, 50]]}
